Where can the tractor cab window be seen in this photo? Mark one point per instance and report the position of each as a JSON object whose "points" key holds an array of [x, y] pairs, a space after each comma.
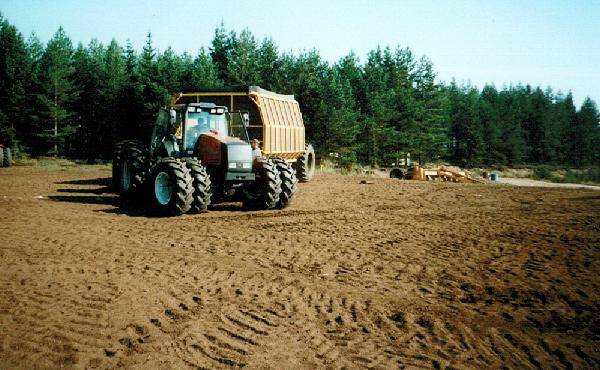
{"points": [[238, 122], [160, 128], [202, 121]]}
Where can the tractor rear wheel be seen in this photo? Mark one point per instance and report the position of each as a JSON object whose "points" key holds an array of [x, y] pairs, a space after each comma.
{"points": [[397, 173], [116, 165], [305, 165], [7, 157], [172, 186], [133, 167], [201, 184], [264, 192], [1, 156], [289, 182]]}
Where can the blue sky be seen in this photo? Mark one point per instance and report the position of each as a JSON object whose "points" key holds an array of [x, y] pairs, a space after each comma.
{"points": [[547, 43]]}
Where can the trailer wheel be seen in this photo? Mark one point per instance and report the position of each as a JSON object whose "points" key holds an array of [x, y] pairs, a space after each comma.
{"points": [[201, 184], [172, 187], [132, 167], [305, 165], [264, 192], [289, 182]]}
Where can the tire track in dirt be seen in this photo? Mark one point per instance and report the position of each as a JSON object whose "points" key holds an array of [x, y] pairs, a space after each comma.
{"points": [[385, 275], [81, 327]]}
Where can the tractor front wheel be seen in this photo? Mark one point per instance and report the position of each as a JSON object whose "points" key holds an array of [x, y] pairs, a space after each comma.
{"points": [[172, 187], [264, 192], [289, 182], [201, 184]]}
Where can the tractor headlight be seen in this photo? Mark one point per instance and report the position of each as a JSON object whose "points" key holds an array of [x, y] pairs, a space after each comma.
{"points": [[232, 165], [246, 165]]}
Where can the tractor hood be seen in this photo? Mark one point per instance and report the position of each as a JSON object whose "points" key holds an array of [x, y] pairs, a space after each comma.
{"points": [[232, 153]]}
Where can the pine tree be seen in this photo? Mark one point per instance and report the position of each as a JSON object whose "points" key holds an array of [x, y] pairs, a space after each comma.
{"points": [[307, 73], [204, 72], [243, 68], [269, 68], [423, 111], [466, 128], [586, 135], [170, 71], [86, 115], [57, 95], [221, 52], [377, 109], [350, 69], [337, 117], [131, 104], [565, 116], [536, 126], [153, 93], [491, 126], [511, 115], [14, 68], [115, 73], [27, 133]]}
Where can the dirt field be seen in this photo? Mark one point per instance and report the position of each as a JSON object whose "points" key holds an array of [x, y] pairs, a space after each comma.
{"points": [[382, 275]]}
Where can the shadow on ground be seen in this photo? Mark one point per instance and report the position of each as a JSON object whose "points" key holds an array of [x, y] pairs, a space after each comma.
{"points": [[101, 195], [102, 190], [106, 181], [86, 199], [229, 207], [104, 195]]}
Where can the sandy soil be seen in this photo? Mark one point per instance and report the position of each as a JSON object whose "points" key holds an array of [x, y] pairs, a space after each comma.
{"points": [[383, 275]]}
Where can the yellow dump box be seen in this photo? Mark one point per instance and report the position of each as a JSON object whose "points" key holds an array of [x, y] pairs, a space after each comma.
{"points": [[274, 119]]}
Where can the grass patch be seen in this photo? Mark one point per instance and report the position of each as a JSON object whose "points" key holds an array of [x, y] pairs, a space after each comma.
{"points": [[589, 176], [53, 163], [348, 169]]}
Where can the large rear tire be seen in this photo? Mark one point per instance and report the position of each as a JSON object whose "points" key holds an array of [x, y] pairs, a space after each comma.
{"points": [[1, 156], [201, 183], [132, 167], [305, 165], [172, 187], [289, 182], [264, 192], [397, 173], [116, 165], [7, 157]]}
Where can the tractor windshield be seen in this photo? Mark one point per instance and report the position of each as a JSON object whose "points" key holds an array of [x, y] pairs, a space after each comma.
{"points": [[200, 122]]}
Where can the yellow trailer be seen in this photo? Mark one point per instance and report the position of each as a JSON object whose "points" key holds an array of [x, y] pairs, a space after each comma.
{"points": [[274, 119]]}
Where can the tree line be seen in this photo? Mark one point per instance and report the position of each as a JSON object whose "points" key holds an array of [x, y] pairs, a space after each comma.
{"points": [[77, 101]]}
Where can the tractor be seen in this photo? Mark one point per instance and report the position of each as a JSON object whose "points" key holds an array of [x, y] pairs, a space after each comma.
{"points": [[199, 154]]}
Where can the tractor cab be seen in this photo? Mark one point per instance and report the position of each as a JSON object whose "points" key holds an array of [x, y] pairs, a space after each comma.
{"points": [[178, 130], [192, 120]]}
